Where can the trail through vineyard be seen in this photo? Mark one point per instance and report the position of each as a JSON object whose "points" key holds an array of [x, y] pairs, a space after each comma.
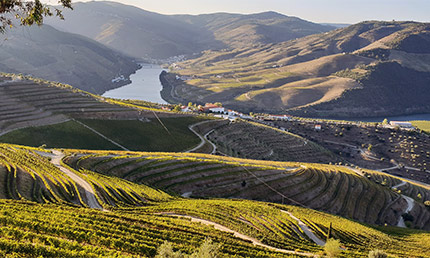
{"points": [[56, 158], [237, 234]]}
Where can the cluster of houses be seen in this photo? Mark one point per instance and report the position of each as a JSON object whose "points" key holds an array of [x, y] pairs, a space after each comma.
{"points": [[222, 112]]}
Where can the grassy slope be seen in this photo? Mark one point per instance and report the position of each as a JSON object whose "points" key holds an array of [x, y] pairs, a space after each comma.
{"points": [[134, 135], [149, 136], [65, 135], [423, 125]]}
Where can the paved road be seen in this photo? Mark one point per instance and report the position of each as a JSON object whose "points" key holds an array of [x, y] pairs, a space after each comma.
{"points": [[203, 139]]}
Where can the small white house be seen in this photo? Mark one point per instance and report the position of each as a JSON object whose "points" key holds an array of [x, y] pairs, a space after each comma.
{"points": [[317, 127]]}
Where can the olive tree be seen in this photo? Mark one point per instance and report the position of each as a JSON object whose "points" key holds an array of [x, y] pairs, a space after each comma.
{"points": [[28, 13]]}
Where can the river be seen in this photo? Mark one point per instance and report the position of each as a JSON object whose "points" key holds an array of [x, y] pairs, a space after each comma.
{"points": [[145, 85]]}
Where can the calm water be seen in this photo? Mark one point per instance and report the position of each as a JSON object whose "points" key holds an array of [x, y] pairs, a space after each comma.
{"points": [[145, 85]]}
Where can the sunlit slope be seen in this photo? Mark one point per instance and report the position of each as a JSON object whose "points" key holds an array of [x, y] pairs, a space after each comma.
{"points": [[35, 112], [28, 174], [143, 217], [334, 189], [351, 71]]}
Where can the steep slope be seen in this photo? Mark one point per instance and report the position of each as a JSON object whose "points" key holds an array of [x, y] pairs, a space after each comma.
{"points": [[237, 30], [334, 189], [44, 215], [68, 58], [337, 73], [36, 112], [144, 34]]}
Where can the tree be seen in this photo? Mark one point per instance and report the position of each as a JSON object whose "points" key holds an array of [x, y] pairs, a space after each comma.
{"points": [[208, 249], [166, 251], [332, 248], [385, 122], [28, 12], [377, 254]]}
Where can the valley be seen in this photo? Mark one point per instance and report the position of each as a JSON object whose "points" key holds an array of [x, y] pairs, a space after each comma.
{"points": [[129, 132]]}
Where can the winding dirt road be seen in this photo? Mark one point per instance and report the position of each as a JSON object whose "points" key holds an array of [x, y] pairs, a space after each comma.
{"points": [[56, 158], [220, 227]]}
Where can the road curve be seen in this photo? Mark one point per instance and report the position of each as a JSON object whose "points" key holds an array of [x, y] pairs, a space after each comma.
{"points": [[203, 139], [220, 227], [56, 158]]}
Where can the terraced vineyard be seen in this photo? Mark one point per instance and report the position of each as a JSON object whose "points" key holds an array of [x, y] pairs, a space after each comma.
{"points": [[137, 218], [37, 112], [31, 230], [27, 103], [29, 176], [333, 189], [257, 141]]}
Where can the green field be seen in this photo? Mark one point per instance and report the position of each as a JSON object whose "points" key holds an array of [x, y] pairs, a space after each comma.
{"points": [[132, 134], [65, 135], [422, 125]]}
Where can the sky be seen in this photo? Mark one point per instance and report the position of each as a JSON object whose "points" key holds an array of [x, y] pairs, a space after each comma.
{"points": [[330, 11]]}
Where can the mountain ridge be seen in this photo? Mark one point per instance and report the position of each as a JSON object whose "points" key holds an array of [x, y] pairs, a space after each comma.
{"points": [[301, 76], [64, 57], [172, 35]]}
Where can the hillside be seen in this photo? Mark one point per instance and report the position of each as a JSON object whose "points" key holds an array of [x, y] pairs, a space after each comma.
{"points": [[149, 35], [355, 71], [333, 189], [53, 55], [36, 112], [130, 220]]}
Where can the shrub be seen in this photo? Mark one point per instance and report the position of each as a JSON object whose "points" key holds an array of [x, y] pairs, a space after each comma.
{"points": [[166, 251], [332, 248], [207, 250], [377, 254]]}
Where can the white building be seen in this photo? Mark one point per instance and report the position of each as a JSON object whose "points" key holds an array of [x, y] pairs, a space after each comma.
{"points": [[217, 110], [403, 125]]}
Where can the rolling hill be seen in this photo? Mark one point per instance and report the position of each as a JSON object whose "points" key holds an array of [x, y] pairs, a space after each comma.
{"points": [[48, 212], [334, 189], [36, 112], [149, 35], [357, 71], [68, 58]]}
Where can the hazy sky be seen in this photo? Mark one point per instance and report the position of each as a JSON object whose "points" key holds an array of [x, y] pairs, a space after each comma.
{"points": [[339, 11]]}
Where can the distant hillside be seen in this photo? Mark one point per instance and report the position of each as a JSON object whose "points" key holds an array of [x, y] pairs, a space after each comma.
{"points": [[68, 58], [360, 70], [238, 30], [144, 34]]}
